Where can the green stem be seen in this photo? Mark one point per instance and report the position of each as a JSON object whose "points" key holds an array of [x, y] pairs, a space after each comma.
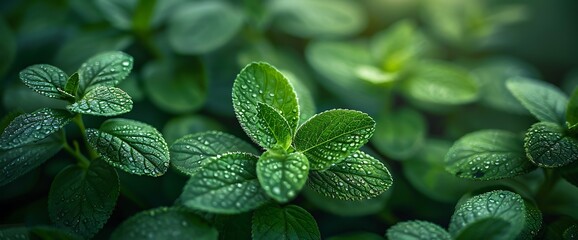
{"points": [[551, 177], [80, 123], [82, 160]]}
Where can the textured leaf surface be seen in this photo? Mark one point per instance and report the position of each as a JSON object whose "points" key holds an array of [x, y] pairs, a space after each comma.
{"points": [[45, 79], [358, 177], [327, 138], [282, 175], [488, 155], [488, 228], [290, 222], [545, 101], [132, 146], [83, 199], [319, 18], [571, 232], [533, 221], [32, 127], [261, 82], [441, 83], [105, 69], [277, 131], [17, 161], [499, 204], [190, 152], [165, 223], [417, 230], [16, 233], [400, 134], [103, 101], [201, 27], [547, 145], [225, 184]]}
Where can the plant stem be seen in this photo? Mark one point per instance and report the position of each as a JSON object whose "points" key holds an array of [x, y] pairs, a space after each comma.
{"points": [[82, 160], [551, 177], [80, 123]]}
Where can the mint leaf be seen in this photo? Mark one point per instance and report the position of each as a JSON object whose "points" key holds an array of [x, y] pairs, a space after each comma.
{"points": [[282, 175], [165, 223], [417, 230], [572, 110], [488, 155], [501, 205], [328, 137], [15, 233], [289, 222], [103, 101], [226, 184], [261, 82], [189, 33], [547, 145], [400, 134], [533, 221], [83, 199], [318, 18], [104, 69], [545, 101], [190, 152], [491, 227], [131, 146], [358, 177], [18, 161], [32, 127], [571, 232], [441, 83], [45, 79], [277, 131], [72, 84]]}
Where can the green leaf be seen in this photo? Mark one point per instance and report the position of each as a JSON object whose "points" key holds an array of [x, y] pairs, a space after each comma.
{"points": [[571, 232], [289, 222], [545, 101], [441, 83], [282, 175], [104, 69], [572, 110], [103, 101], [328, 137], [397, 46], [400, 134], [547, 145], [32, 127], [202, 27], [15, 233], [261, 82], [131, 146], [225, 184], [488, 228], [18, 161], [83, 199], [488, 155], [45, 79], [165, 223], [417, 230], [72, 84], [500, 205], [358, 177], [53, 233], [176, 86], [277, 131], [318, 18], [190, 152], [533, 222]]}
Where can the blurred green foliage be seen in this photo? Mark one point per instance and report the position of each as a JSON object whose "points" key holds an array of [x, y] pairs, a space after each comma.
{"points": [[428, 71]]}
